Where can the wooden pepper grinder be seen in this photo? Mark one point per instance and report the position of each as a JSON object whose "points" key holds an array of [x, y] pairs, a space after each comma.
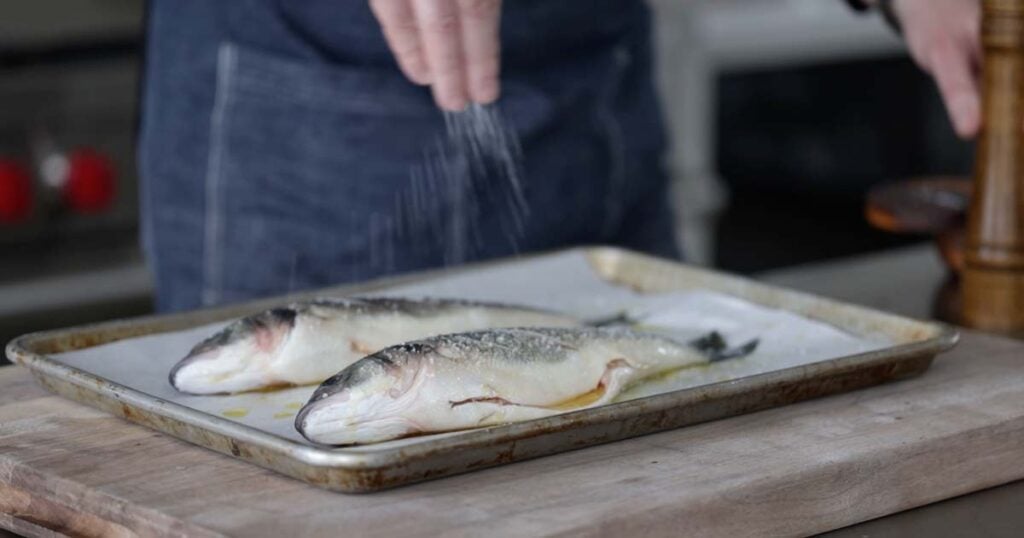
{"points": [[993, 275]]}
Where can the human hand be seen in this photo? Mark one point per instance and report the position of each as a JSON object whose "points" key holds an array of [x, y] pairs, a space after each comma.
{"points": [[452, 45], [944, 39]]}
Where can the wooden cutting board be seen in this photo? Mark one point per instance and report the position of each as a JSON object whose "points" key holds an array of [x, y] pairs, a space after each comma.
{"points": [[800, 469]]}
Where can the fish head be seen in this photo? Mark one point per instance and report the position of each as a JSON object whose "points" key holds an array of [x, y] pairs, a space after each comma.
{"points": [[238, 357], [374, 399]]}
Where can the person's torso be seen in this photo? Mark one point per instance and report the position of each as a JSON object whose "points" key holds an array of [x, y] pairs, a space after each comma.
{"points": [[534, 32]]}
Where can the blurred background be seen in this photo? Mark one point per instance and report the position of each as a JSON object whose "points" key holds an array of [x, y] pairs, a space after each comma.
{"points": [[783, 114]]}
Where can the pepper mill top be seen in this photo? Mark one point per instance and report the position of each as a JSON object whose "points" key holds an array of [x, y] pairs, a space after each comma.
{"points": [[1001, 23]]}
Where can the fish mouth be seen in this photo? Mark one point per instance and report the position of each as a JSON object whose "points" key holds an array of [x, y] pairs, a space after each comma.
{"points": [[332, 392], [333, 423], [300, 418], [172, 377], [325, 423], [179, 373], [361, 399], [235, 350]]}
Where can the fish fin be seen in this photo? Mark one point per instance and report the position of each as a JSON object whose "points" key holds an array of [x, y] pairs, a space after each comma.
{"points": [[618, 374], [710, 343], [715, 347]]}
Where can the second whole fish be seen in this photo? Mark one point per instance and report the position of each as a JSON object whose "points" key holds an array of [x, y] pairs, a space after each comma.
{"points": [[484, 378]]}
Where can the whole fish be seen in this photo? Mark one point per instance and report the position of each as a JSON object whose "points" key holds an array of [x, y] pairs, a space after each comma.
{"points": [[483, 378], [307, 342]]}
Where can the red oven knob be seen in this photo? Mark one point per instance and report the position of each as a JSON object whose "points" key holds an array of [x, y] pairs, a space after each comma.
{"points": [[90, 183], [15, 192]]}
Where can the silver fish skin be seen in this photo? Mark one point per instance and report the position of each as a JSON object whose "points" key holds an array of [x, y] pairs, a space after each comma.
{"points": [[491, 377], [307, 342]]}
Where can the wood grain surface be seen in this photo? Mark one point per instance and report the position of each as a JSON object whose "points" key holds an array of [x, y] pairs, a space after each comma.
{"points": [[799, 469]]}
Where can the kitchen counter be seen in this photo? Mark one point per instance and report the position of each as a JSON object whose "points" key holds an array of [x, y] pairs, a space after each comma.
{"points": [[911, 276], [800, 469]]}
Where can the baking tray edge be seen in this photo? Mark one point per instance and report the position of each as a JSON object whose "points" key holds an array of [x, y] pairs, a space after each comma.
{"points": [[347, 471]]}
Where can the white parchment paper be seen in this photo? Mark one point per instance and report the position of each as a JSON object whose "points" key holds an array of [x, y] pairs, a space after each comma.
{"points": [[563, 282]]}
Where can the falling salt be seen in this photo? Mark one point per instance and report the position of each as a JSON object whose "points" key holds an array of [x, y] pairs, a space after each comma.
{"points": [[471, 174]]}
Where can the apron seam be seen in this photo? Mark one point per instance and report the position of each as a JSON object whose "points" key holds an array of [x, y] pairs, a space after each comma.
{"points": [[213, 266], [615, 140]]}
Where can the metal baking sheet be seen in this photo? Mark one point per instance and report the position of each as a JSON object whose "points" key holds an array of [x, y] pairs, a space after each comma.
{"points": [[810, 347]]}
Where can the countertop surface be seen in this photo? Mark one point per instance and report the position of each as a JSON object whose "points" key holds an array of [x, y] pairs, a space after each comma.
{"points": [[904, 282]]}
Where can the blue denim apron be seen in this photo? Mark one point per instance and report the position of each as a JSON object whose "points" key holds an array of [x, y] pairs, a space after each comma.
{"points": [[276, 134]]}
